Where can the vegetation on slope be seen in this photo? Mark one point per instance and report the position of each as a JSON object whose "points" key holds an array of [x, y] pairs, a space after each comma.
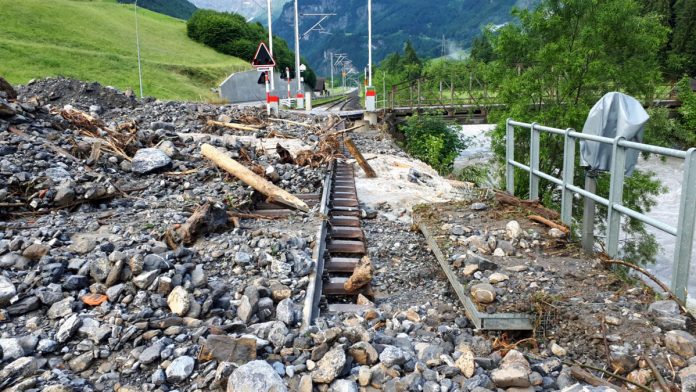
{"points": [[95, 41], [229, 33], [181, 9]]}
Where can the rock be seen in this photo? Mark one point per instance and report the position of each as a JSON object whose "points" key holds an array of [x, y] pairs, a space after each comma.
{"points": [[392, 355], [7, 291], [114, 292], [478, 206], [198, 277], [329, 366], [558, 350], [465, 362], [306, 384], [180, 369], [363, 353], [640, 376], [36, 251], [246, 309], [681, 343], [228, 349], [82, 244], [343, 386], [6, 87], [178, 301], [498, 252], [497, 277], [429, 353], [483, 293], [151, 354], [75, 282], [145, 279], [23, 306], [280, 292], [12, 259], [65, 195], [168, 147], [469, 269], [11, 348], [149, 159], [99, 269], [611, 320], [556, 233], [68, 328], [664, 308], [20, 367], [285, 312], [514, 371], [81, 362], [687, 376], [255, 376], [513, 229]]}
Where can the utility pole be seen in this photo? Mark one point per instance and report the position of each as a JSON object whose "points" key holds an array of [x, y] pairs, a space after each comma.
{"points": [[298, 76], [137, 44], [369, 43], [270, 39], [332, 71]]}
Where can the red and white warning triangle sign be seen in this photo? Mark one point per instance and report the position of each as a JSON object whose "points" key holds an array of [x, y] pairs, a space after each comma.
{"points": [[263, 58]]}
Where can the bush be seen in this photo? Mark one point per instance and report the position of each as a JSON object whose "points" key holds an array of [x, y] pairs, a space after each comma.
{"points": [[433, 141]]}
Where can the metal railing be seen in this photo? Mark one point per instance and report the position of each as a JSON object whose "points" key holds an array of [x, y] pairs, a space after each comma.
{"points": [[684, 230]]}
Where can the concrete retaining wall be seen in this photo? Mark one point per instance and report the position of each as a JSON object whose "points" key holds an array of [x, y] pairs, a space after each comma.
{"points": [[243, 87]]}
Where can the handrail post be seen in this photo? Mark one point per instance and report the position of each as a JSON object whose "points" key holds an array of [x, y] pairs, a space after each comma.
{"points": [[534, 163], [509, 157], [618, 169], [685, 228], [568, 174]]}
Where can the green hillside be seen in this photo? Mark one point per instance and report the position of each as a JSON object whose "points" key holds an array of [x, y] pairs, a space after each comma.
{"points": [[181, 9], [95, 41]]}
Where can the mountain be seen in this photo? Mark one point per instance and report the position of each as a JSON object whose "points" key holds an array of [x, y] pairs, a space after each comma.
{"points": [[95, 41], [181, 9], [424, 23], [250, 9]]}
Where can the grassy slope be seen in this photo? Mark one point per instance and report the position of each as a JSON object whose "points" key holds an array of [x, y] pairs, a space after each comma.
{"points": [[95, 41]]}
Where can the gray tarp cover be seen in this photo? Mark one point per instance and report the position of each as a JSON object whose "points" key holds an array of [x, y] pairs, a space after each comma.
{"points": [[616, 114]]}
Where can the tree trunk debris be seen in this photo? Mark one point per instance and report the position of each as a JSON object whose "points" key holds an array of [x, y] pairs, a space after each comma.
{"points": [[369, 172], [252, 179]]}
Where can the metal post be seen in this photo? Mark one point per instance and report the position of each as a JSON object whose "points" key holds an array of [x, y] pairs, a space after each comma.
{"points": [[270, 39], [685, 228], [568, 173], [588, 214], [534, 163], [297, 51], [137, 44], [369, 43], [332, 72], [509, 157], [618, 169]]}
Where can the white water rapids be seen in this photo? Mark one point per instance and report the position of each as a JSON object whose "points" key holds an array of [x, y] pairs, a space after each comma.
{"points": [[667, 208]]}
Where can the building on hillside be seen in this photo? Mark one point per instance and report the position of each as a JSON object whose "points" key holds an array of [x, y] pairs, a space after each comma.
{"points": [[320, 87]]}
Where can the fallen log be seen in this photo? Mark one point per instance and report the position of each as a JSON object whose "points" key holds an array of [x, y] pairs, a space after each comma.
{"points": [[207, 218], [232, 126], [549, 223], [369, 172], [361, 277], [284, 154], [252, 179], [531, 205]]}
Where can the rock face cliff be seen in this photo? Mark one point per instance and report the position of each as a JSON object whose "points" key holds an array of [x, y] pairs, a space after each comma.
{"points": [[424, 23]]}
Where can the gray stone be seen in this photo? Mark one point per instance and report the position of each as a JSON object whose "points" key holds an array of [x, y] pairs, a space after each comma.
{"points": [[145, 279], [329, 366], [392, 355], [7, 291], [11, 349], [158, 377], [255, 376], [429, 353], [285, 312], [11, 259], [513, 229], [343, 386], [82, 244], [180, 369], [198, 277], [47, 346], [151, 354], [242, 258], [99, 269], [65, 195], [82, 362], [664, 308], [68, 328], [61, 308], [246, 310], [178, 301], [18, 368], [149, 159], [114, 292], [363, 353], [479, 206]]}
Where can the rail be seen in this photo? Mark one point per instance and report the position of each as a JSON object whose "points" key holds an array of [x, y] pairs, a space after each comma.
{"points": [[684, 230]]}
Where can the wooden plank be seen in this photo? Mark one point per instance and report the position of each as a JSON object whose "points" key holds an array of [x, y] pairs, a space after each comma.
{"points": [[350, 221], [346, 246], [347, 233], [341, 264]]}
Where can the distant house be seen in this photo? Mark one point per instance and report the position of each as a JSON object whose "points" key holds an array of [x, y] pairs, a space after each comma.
{"points": [[320, 87]]}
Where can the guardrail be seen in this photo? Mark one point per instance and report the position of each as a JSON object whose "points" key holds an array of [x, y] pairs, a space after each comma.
{"points": [[684, 230]]}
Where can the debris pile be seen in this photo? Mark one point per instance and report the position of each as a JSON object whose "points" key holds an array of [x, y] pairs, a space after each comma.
{"points": [[130, 261]]}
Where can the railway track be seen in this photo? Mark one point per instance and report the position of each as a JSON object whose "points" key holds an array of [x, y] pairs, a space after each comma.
{"points": [[350, 102], [340, 246]]}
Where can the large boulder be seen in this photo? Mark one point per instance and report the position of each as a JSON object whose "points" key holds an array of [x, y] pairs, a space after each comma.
{"points": [[149, 159]]}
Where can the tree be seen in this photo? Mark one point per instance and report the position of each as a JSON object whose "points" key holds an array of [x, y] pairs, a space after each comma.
{"points": [[556, 63], [411, 64], [683, 45]]}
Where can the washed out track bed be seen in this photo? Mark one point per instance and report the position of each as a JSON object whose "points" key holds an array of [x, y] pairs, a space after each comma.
{"points": [[567, 296]]}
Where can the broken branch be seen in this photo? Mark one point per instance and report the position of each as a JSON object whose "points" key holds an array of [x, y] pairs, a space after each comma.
{"points": [[232, 126], [369, 172], [252, 179], [549, 223]]}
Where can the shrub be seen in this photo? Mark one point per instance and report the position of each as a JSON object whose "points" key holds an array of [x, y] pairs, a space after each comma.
{"points": [[433, 141]]}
